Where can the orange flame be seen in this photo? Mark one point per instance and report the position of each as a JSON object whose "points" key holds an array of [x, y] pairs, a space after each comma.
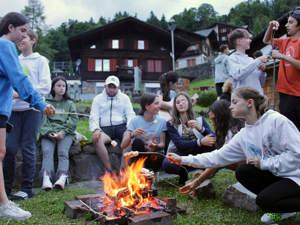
{"points": [[126, 189]]}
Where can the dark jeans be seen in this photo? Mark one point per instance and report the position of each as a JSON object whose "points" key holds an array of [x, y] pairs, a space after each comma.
{"points": [[274, 194], [115, 132], [289, 106], [23, 136], [219, 88], [172, 168], [153, 162]]}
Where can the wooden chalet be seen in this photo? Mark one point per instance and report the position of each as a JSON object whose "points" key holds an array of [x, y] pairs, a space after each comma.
{"points": [[118, 47], [217, 33]]}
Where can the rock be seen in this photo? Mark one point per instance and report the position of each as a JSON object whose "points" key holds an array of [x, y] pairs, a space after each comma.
{"points": [[238, 196], [75, 149], [205, 190], [87, 166]]}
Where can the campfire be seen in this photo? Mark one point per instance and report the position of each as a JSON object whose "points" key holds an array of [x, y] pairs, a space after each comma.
{"points": [[130, 198], [130, 192]]}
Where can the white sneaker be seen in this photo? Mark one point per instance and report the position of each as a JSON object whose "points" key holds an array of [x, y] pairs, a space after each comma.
{"points": [[10, 210], [269, 218], [60, 183], [47, 184]]}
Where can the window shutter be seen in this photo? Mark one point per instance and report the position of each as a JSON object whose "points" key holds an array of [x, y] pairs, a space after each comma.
{"points": [[91, 64], [135, 44], [146, 44], [121, 44], [150, 65], [109, 44], [113, 64], [158, 66]]}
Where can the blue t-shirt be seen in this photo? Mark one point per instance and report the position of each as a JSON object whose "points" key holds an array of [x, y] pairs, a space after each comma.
{"points": [[152, 129]]}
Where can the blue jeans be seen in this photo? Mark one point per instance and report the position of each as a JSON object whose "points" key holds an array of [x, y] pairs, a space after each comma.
{"points": [[23, 136], [63, 147]]}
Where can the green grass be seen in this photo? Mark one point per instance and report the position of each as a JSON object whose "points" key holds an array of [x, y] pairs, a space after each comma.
{"points": [[47, 207], [201, 83]]}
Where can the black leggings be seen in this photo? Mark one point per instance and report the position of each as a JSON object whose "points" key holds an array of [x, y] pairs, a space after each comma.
{"points": [[274, 194]]}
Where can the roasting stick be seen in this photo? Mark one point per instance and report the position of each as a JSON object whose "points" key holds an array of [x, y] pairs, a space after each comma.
{"points": [[91, 209]]}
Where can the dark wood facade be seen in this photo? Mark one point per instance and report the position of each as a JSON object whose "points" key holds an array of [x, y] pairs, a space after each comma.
{"points": [[117, 47]]}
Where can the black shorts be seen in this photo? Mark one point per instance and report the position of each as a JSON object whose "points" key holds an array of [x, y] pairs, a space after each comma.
{"points": [[3, 121]]}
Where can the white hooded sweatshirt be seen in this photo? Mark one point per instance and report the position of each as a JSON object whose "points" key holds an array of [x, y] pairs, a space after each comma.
{"points": [[273, 139], [37, 68]]}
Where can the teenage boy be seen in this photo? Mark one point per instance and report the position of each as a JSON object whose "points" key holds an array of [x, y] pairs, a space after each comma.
{"points": [[245, 71], [288, 83]]}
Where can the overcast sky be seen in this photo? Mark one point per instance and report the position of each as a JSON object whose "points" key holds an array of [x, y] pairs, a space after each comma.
{"points": [[59, 11]]}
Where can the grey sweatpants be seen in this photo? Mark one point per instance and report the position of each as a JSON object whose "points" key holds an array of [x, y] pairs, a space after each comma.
{"points": [[63, 147]]}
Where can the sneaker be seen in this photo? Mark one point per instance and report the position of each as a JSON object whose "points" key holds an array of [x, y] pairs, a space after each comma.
{"points": [[47, 185], [269, 218], [10, 210], [20, 195], [60, 183]]}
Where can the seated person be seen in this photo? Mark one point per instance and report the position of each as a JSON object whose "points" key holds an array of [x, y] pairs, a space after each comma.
{"points": [[110, 112], [146, 132], [189, 135], [225, 128], [59, 130]]}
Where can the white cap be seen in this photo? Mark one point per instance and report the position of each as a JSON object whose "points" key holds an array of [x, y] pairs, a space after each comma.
{"points": [[112, 80]]}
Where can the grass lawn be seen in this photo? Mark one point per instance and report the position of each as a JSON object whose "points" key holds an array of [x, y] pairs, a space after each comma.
{"points": [[47, 207]]}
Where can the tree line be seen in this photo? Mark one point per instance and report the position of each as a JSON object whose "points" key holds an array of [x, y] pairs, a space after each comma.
{"points": [[253, 13]]}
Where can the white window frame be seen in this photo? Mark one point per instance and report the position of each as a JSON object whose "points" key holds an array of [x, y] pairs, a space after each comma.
{"points": [[115, 43], [141, 44]]}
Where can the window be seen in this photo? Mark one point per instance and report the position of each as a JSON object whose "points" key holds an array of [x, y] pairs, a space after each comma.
{"points": [[115, 44], [106, 65], [191, 62], [154, 66], [141, 44], [98, 65], [102, 65], [223, 30], [92, 46], [224, 38], [131, 62]]}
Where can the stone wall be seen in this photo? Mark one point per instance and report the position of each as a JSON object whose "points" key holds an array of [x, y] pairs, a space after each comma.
{"points": [[84, 164]]}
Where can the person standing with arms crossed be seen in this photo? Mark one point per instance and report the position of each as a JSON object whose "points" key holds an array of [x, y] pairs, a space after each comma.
{"points": [[288, 83]]}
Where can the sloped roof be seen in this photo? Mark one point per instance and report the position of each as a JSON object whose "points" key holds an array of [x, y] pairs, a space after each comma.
{"points": [[205, 32], [125, 24]]}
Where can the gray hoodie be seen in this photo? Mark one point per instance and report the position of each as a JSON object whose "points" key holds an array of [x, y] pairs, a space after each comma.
{"points": [[273, 139]]}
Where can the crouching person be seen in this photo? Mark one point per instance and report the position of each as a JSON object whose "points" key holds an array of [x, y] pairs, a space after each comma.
{"points": [[146, 133], [270, 145], [58, 130]]}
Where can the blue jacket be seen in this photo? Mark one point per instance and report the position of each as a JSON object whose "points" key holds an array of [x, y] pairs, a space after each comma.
{"points": [[12, 77], [179, 145]]}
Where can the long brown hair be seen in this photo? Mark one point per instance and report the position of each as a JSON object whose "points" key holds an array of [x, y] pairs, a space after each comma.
{"points": [[165, 80], [223, 121], [176, 115]]}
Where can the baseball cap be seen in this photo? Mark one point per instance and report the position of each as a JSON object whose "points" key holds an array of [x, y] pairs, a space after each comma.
{"points": [[112, 80]]}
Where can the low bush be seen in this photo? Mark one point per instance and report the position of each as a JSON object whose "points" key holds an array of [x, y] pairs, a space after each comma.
{"points": [[206, 98]]}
